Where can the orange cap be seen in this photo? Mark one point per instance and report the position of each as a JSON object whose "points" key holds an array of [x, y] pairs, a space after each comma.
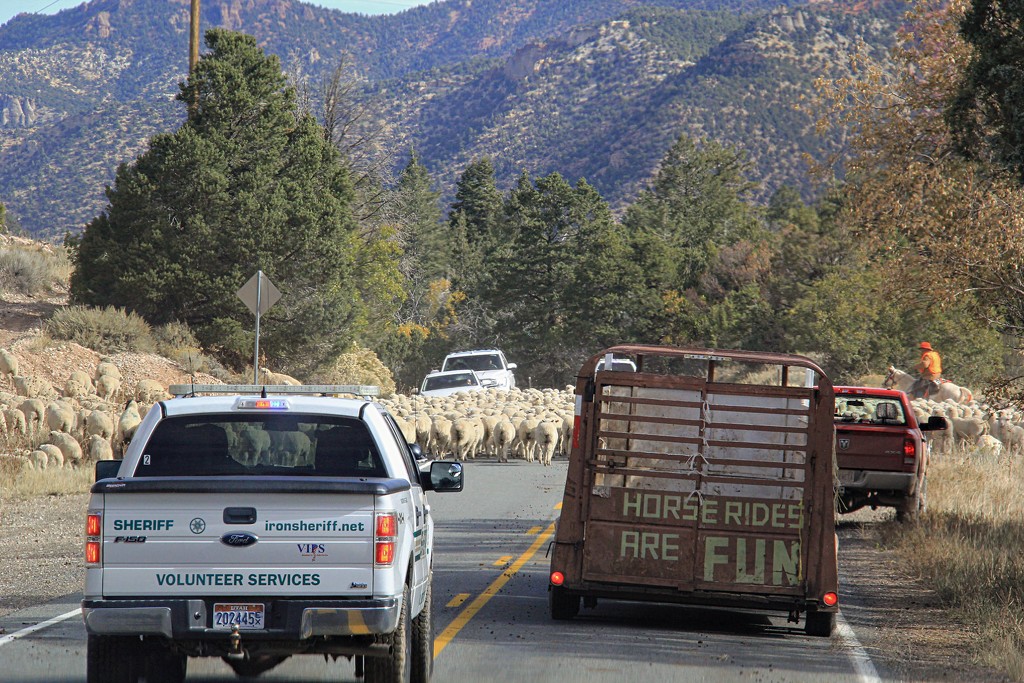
{"points": [[926, 345]]}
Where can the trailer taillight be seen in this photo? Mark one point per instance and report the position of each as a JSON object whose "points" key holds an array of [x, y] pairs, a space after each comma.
{"points": [[576, 422], [557, 578], [830, 599]]}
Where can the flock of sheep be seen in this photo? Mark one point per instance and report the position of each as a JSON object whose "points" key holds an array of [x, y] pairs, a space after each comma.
{"points": [[535, 424], [86, 420], [974, 426], [83, 421]]}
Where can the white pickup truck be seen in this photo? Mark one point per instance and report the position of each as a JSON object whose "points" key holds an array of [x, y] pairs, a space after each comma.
{"points": [[253, 526]]}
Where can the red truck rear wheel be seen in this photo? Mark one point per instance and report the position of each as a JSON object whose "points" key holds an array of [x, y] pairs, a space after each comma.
{"points": [[913, 506]]}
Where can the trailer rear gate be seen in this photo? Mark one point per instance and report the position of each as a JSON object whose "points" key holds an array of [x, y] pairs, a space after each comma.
{"points": [[697, 486]]}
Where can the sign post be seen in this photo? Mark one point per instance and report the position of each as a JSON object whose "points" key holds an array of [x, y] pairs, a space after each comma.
{"points": [[258, 294]]}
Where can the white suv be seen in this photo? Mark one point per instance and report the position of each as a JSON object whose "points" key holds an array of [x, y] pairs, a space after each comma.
{"points": [[489, 364]]}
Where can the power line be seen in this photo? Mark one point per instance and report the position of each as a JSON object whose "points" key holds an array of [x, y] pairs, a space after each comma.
{"points": [[43, 9]]}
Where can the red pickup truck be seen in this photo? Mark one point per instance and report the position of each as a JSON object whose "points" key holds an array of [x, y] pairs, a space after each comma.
{"points": [[882, 451]]}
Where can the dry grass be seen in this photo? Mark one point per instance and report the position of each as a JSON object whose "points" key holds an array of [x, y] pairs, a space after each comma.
{"points": [[968, 548], [19, 482]]}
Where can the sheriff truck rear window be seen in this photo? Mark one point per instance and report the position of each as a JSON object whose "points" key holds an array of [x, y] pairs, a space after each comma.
{"points": [[293, 445]]}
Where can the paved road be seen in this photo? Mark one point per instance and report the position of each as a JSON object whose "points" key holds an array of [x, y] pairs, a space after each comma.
{"points": [[492, 622]]}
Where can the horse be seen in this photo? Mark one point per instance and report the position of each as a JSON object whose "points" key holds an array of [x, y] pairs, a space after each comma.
{"points": [[947, 390]]}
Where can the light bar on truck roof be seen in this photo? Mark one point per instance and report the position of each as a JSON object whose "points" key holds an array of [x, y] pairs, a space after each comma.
{"points": [[262, 404], [259, 389]]}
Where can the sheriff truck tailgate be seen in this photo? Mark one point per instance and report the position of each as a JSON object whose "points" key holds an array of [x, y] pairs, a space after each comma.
{"points": [[237, 544]]}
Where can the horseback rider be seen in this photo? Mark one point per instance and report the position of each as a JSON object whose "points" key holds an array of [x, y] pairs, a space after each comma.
{"points": [[929, 370]]}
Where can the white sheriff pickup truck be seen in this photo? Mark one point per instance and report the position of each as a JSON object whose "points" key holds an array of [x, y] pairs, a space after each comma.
{"points": [[259, 524]]}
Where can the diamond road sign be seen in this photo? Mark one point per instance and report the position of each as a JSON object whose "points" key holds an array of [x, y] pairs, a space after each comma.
{"points": [[259, 293]]}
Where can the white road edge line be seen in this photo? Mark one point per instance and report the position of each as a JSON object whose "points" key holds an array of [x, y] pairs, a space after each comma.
{"points": [[862, 665], [4, 640]]}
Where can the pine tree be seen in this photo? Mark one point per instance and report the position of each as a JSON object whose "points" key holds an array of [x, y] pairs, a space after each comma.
{"points": [[246, 183], [559, 290], [427, 248]]}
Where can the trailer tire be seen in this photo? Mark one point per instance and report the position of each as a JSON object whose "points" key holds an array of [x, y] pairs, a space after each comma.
{"points": [[423, 640], [109, 659], [564, 605], [820, 624], [397, 666]]}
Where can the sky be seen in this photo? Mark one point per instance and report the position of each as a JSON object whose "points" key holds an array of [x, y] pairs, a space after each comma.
{"points": [[8, 8]]}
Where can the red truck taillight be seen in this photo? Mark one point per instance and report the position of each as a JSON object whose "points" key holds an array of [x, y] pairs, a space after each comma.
{"points": [[384, 536], [909, 451], [93, 538]]}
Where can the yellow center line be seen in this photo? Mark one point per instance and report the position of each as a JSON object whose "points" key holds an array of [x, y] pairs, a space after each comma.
{"points": [[446, 636], [458, 600], [504, 559], [558, 507], [534, 530]]}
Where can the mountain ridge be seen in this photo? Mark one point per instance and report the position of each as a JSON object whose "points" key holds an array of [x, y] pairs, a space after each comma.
{"points": [[595, 89]]}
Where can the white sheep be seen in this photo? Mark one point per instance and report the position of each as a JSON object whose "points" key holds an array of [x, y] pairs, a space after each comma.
{"points": [[32, 387], [968, 430], [99, 448], [989, 445], [504, 436], [68, 445], [423, 429], [407, 428], [466, 435], [440, 435], [99, 422], [8, 363], [60, 416], [38, 459], [545, 438], [268, 377], [106, 368], [128, 422], [150, 391], [107, 386], [34, 411], [81, 379], [15, 421], [55, 456], [525, 443]]}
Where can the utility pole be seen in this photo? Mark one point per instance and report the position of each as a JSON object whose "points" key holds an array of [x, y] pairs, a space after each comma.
{"points": [[193, 43]]}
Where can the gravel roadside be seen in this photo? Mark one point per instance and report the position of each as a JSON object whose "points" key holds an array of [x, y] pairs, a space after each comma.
{"points": [[41, 543]]}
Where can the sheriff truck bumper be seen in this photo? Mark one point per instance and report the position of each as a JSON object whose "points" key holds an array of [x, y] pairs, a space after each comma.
{"points": [[286, 619]]}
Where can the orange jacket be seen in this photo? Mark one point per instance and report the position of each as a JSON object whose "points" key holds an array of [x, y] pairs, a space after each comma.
{"points": [[930, 366]]}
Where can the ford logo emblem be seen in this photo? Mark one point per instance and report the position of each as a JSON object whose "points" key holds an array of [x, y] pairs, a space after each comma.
{"points": [[238, 539]]}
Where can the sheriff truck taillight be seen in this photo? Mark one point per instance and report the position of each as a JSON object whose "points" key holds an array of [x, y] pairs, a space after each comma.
{"points": [[93, 538], [384, 536]]}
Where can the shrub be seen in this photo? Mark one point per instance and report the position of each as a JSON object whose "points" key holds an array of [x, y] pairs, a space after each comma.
{"points": [[359, 365], [176, 342], [32, 271], [104, 330]]}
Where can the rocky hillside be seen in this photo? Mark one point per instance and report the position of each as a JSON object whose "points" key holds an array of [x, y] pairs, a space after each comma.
{"points": [[589, 88]]}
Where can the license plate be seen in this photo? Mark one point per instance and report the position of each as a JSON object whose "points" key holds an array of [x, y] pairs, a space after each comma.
{"points": [[246, 616]]}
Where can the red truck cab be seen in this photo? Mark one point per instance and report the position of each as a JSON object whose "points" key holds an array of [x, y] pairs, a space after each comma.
{"points": [[882, 451]]}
